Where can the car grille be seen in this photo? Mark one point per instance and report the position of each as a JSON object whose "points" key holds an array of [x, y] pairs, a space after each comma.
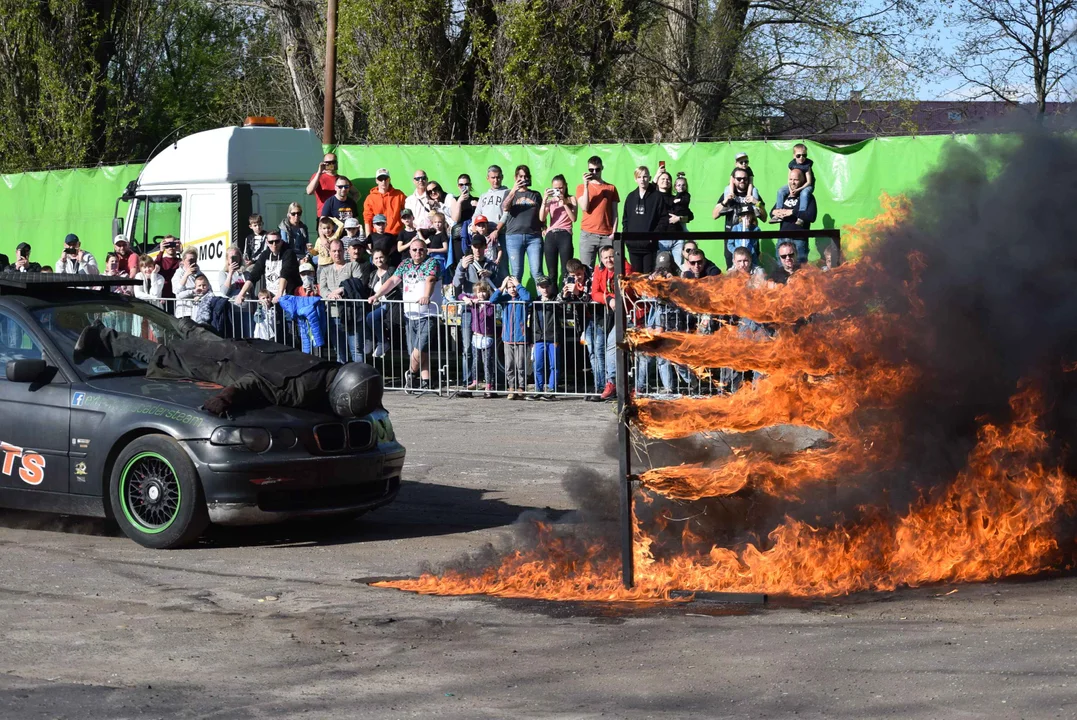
{"points": [[279, 500], [330, 437], [336, 437], [360, 434]]}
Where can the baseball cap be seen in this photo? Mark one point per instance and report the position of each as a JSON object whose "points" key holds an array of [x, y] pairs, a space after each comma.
{"points": [[406, 213], [120, 239], [306, 267], [741, 155], [382, 172], [350, 223], [71, 239], [379, 218], [356, 241], [479, 220], [664, 261]]}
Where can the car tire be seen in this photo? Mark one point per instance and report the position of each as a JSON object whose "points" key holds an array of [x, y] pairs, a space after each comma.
{"points": [[155, 494]]}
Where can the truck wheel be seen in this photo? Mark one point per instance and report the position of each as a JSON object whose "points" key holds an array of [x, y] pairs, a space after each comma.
{"points": [[155, 494]]}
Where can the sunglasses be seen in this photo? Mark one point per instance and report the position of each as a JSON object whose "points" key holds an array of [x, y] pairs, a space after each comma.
{"points": [[296, 214], [695, 262], [418, 250], [343, 187], [790, 256], [800, 155], [381, 178], [330, 162], [419, 178], [274, 242], [743, 160], [462, 184], [593, 170]]}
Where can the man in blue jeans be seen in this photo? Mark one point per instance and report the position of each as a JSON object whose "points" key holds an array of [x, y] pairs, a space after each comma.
{"points": [[602, 292]]}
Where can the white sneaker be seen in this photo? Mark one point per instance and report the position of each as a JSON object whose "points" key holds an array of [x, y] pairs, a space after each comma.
{"points": [[379, 350]]}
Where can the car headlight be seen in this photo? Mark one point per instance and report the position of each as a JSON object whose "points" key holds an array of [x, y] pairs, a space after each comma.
{"points": [[254, 439]]}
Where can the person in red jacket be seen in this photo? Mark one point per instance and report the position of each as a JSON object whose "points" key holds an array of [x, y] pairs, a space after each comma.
{"points": [[602, 292]]}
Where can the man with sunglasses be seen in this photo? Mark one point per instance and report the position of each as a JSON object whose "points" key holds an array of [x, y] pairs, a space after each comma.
{"points": [[418, 202], [789, 262], [277, 266], [421, 277], [386, 202], [597, 201], [699, 266], [323, 183], [341, 206], [735, 204]]}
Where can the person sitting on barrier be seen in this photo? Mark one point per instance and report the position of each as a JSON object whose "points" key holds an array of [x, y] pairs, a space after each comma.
{"points": [[421, 277], [732, 203], [699, 266], [790, 262], [329, 229], [331, 277], [309, 281], [602, 292], [788, 212], [548, 330], [746, 223], [482, 328], [514, 334], [472, 268]]}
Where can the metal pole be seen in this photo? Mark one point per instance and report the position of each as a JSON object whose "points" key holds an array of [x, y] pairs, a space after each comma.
{"points": [[624, 442], [330, 72]]}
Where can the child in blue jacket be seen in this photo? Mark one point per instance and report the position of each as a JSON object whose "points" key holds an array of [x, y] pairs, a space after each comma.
{"points": [[514, 334]]}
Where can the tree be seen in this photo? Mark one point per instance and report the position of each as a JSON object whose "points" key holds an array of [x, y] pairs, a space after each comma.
{"points": [[1015, 50]]}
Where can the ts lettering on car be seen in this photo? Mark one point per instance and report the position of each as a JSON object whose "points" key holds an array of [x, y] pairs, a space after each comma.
{"points": [[31, 466]]}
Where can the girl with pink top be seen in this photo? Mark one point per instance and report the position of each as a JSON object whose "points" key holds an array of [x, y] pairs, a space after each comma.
{"points": [[559, 206]]}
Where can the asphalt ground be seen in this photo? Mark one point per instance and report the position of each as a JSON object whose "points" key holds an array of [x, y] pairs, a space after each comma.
{"points": [[279, 621]]}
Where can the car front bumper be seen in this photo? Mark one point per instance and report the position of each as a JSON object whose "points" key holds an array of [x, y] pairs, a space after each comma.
{"points": [[251, 489]]}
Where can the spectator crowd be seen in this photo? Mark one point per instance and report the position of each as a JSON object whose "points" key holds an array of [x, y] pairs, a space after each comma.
{"points": [[432, 258]]}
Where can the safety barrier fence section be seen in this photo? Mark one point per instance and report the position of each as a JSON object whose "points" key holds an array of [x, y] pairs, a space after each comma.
{"points": [[534, 349]]}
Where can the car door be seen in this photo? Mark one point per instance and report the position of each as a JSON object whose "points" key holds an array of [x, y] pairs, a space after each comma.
{"points": [[34, 417]]}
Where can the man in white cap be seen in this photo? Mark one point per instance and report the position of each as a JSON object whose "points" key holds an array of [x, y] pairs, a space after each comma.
{"points": [[384, 200], [128, 259], [353, 231]]}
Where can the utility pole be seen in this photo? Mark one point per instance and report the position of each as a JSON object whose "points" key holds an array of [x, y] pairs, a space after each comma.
{"points": [[330, 72]]}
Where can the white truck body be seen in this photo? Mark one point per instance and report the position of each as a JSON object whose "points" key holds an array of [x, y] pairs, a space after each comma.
{"points": [[202, 189]]}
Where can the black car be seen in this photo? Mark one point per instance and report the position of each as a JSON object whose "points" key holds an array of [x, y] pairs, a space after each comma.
{"points": [[100, 438]]}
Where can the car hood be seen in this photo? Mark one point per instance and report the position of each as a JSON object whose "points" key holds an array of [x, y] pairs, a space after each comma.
{"points": [[190, 395]]}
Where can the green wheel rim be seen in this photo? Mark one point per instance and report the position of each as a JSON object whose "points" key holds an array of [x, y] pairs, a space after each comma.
{"points": [[150, 493]]}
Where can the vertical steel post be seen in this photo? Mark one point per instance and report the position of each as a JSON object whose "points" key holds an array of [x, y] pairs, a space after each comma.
{"points": [[624, 442], [330, 72]]}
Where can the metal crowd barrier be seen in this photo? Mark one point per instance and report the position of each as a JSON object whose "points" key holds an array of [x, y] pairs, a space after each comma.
{"points": [[569, 345]]}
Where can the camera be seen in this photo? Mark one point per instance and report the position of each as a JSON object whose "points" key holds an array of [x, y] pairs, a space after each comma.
{"points": [[71, 251]]}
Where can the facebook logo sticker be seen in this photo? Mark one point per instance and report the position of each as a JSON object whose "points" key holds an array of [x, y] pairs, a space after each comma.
{"points": [[77, 399]]}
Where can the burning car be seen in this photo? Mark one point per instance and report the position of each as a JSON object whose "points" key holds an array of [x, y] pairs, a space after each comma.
{"points": [[102, 439]]}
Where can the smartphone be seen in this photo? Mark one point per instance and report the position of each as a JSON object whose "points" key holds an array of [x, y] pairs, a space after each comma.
{"points": [[661, 165], [570, 280]]}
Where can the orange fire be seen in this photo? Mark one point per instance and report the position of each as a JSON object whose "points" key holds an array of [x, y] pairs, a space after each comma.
{"points": [[840, 362]]}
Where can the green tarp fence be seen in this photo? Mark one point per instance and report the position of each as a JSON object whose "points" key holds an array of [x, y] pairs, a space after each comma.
{"points": [[42, 207]]}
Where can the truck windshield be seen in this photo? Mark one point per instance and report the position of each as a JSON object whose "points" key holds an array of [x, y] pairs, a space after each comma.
{"points": [[155, 217], [134, 319]]}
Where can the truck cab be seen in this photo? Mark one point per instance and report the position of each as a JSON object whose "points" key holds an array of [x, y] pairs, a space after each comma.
{"points": [[202, 189]]}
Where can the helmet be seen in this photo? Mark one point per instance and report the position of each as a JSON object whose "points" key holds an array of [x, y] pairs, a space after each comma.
{"points": [[356, 389]]}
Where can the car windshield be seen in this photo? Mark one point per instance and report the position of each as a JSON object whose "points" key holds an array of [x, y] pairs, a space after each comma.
{"points": [[63, 323]]}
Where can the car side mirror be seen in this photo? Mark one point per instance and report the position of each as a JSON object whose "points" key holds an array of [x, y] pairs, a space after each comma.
{"points": [[25, 371], [117, 226]]}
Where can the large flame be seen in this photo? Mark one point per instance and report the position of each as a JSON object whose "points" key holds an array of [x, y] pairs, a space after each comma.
{"points": [[846, 358]]}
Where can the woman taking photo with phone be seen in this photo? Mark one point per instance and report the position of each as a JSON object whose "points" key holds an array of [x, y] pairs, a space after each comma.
{"points": [[560, 208], [523, 230]]}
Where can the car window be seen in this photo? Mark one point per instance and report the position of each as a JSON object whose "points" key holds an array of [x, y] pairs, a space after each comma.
{"points": [[15, 342], [63, 323]]}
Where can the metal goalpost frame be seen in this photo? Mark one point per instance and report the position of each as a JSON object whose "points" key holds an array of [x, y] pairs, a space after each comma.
{"points": [[626, 480]]}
